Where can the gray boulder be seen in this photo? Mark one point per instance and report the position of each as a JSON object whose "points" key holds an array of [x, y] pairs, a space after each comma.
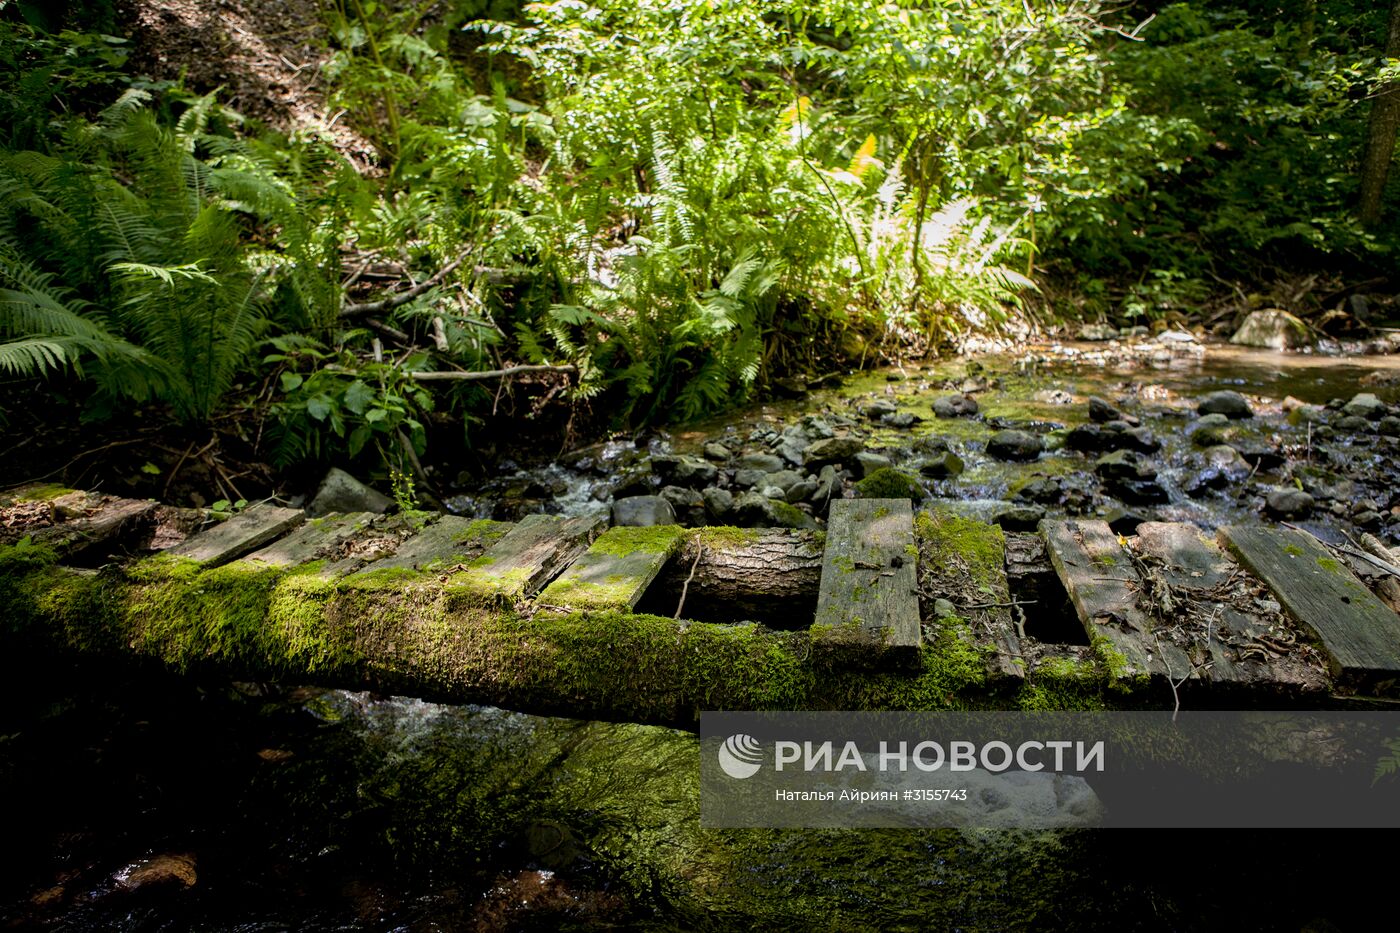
{"points": [[1272, 329], [955, 406], [1365, 405], [1289, 503], [867, 463], [642, 511], [945, 465], [1227, 402], [1015, 445], [341, 492], [832, 450], [767, 463]]}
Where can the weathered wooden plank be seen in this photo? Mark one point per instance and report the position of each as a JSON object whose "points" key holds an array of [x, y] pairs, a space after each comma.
{"points": [[616, 570], [1240, 643], [1104, 586], [1360, 635], [88, 523], [869, 589], [526, 557], [446, 542], [963, 561], [245, 532], [316, 539]]}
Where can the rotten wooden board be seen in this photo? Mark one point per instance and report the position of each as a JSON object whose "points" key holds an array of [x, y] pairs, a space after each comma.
{"points": [[526, 557], [1104, 587], [316, 539], [616, 570], [1241, 643], [443, 544], [964, 561], [92, 524], [869, 591], [244, 533], [1358, 632]]}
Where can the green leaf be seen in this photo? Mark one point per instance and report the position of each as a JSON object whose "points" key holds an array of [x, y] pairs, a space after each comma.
{"points": [[291, 381], [318, 408], [358, 397], [150, 468]]}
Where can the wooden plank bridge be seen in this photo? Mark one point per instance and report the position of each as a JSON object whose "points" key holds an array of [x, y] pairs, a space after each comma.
{"points": [[868, 616]]}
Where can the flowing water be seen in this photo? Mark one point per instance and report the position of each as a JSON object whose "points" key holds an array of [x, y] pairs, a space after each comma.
{"points": [[325, 810]]}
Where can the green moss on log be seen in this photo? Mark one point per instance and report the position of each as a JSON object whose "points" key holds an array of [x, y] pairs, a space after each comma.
{"points": [[397, 631]]}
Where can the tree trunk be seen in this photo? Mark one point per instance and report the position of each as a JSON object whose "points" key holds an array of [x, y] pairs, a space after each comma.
{"points": [[1385, 125], [769, 575]]}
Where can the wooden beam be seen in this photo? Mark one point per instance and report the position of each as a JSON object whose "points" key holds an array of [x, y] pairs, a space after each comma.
{"points": [[1359, 633], [526, 557], [869, 591], [244, 533], [616, 570]]}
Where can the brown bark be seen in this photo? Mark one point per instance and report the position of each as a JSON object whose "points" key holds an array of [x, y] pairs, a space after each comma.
{"points": [[1384, 127], [773, 576]]}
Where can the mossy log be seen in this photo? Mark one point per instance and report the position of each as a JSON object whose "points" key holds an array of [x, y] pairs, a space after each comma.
{"points": [[405, 632]]}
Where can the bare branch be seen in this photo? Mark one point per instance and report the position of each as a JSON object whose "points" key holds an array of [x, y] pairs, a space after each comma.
{"points": [[404, 297], [463, 376]]}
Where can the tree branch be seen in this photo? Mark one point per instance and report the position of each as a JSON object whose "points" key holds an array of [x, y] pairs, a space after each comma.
{"points": [[447, 375], [404, 297]]}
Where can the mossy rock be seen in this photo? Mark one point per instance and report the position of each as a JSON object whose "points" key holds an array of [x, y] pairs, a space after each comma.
{"points": [[889, 483]]}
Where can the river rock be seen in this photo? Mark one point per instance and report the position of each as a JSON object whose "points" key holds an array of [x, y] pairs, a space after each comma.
{"points": [[1353, 424], [681, 470], [1098, 332], [1044, 489], [945, 465], [341, 492], [170, 870], [747, 478], [1389, 426], [831, 450], [1015, 445], [1125, 521], [719, 503], [816, 427], [642, 511], [1227, 402], [1365, 405], [1124, 464], [1289, 503], [889, 483], [867, 463], [1019, 517], [1210, 431], [801, 492], [753, 510], [1101, 411], [783, 479], [929, 444], [716, 451], [1272, 329], [687, 504], [879, 408], [955, 406], [1115, 435], [901, 419]]}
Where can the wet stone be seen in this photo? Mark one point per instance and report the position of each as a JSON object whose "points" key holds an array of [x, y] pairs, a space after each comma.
{"points": [[1020, 518], [867, 463], [1101, 411], [642, 511], [783, 479], [879, 408], [1353, 424], [801, 492], [955, 406], [832, 450], [1289, 503], [1126, 521], [1365, 405], [719, 503], [901, 419], [716, 452], [1015, 445], [750, 477], [945, 465], [683, 470], [1229, 403]]}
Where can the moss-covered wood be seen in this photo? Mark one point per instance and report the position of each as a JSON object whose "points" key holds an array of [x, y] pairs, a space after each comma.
{"points": [[399, 631]]}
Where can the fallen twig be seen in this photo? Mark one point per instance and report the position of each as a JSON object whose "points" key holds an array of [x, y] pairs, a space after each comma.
{"points": [[481, 375], [404, 297], [685, 587]]}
